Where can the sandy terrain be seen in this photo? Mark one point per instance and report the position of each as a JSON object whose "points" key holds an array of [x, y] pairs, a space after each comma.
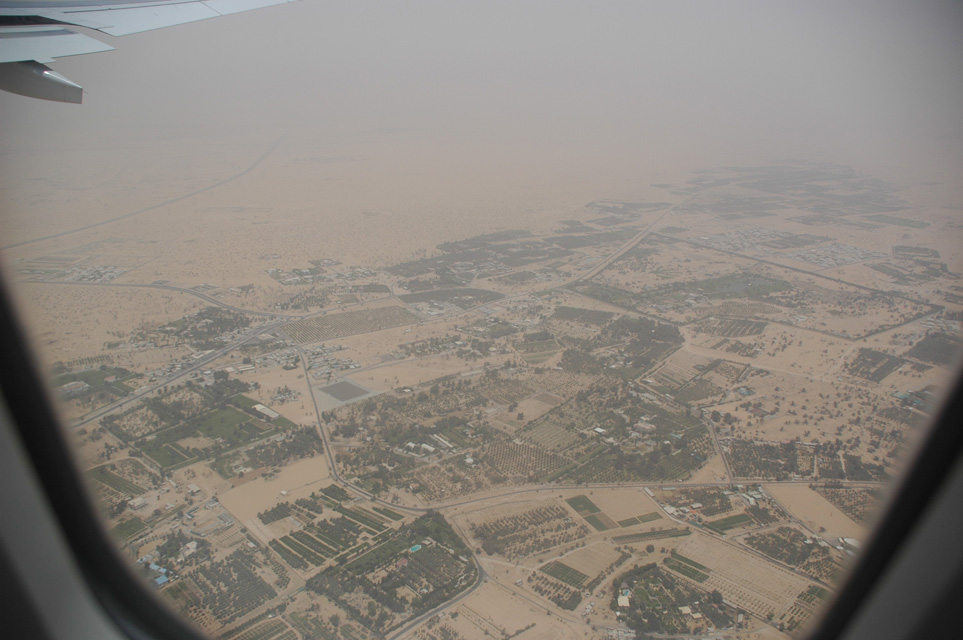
{"points": [[495, 608], [230, 234], [620, 504], [299, 479], [70, 322], [713, 471], [299, 411], [816, 512], [416, 372], [753, 584], [592, 558]]}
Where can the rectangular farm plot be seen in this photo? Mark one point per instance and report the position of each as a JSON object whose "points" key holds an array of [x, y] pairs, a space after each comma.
{"points": [[129, 528], [743, 579], [519, 530], [344, 391], [687, 567], [112, 480], [655, 534], [731, 522], [601, 522], [583, 505], [646, 517], [621, 504], [550, 435], [221, 423], [592, 560], [565, 573], [195, 439], [349, 323]]}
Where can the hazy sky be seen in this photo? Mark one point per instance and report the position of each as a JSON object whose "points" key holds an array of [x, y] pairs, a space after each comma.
{"points": [[585, 84]]}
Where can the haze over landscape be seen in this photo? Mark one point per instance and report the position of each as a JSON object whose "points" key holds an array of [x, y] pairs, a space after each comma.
{"points": [[445, 321]]}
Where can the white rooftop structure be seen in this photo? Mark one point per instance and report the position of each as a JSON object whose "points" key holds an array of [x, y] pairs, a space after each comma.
{"points": [[266, 411]]}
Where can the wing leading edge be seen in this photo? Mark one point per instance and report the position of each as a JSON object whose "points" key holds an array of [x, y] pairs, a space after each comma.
{"points": [[32, 34]]}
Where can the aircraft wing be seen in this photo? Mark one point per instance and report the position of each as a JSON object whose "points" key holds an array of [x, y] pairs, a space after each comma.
{"points": [[34, 32]]}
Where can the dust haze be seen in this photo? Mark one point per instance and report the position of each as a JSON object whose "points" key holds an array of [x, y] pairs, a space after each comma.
{"points": [[636, 298], [444, 118]]}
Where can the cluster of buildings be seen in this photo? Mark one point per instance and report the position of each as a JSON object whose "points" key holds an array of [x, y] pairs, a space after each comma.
{"points": [[104, 273]]}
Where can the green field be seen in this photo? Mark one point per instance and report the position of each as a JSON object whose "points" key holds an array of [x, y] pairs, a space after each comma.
{"points": [[262, 631], [129, 528], [814, 594], [583, 505], [389, 513], [646, 517], [902, 222], [739, 285], [689, 561], [724, 524], [165, 455], [597, 522], [222, 423], [565, 573], [335, 492], [94, 377], [686, 570], [243, 402], [283, 423], [652, 535], [112, 480]]}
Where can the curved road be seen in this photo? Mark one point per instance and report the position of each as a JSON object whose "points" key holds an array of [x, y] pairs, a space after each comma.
{"points": [[154, 207]]}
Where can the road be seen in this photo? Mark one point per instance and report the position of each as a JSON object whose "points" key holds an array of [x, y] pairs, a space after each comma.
{"points": [[415, 622], [154, 207], [167, 287], [195, 365], [278, 319]]}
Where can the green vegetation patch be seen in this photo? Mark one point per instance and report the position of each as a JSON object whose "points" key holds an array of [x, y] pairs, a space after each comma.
{"points": [[165, 455], [112, 480], [462, 298], [425, 557], [874, 365], [279, 511], [937, 348], [686, 569], [394, 515], [731, 522], [377, 556], [657, 534], [243, 402], [361, 518], [587, 316], [261, 631], [689, 561], [583, 505], [222, 423], [565, 573], [96, 378], [739, 285], [813, 594], [597, 521], [336, 492], [129, 528]]}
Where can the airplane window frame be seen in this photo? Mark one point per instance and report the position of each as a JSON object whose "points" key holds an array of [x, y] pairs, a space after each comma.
{"points": [[138, 614], [126, 601]]}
